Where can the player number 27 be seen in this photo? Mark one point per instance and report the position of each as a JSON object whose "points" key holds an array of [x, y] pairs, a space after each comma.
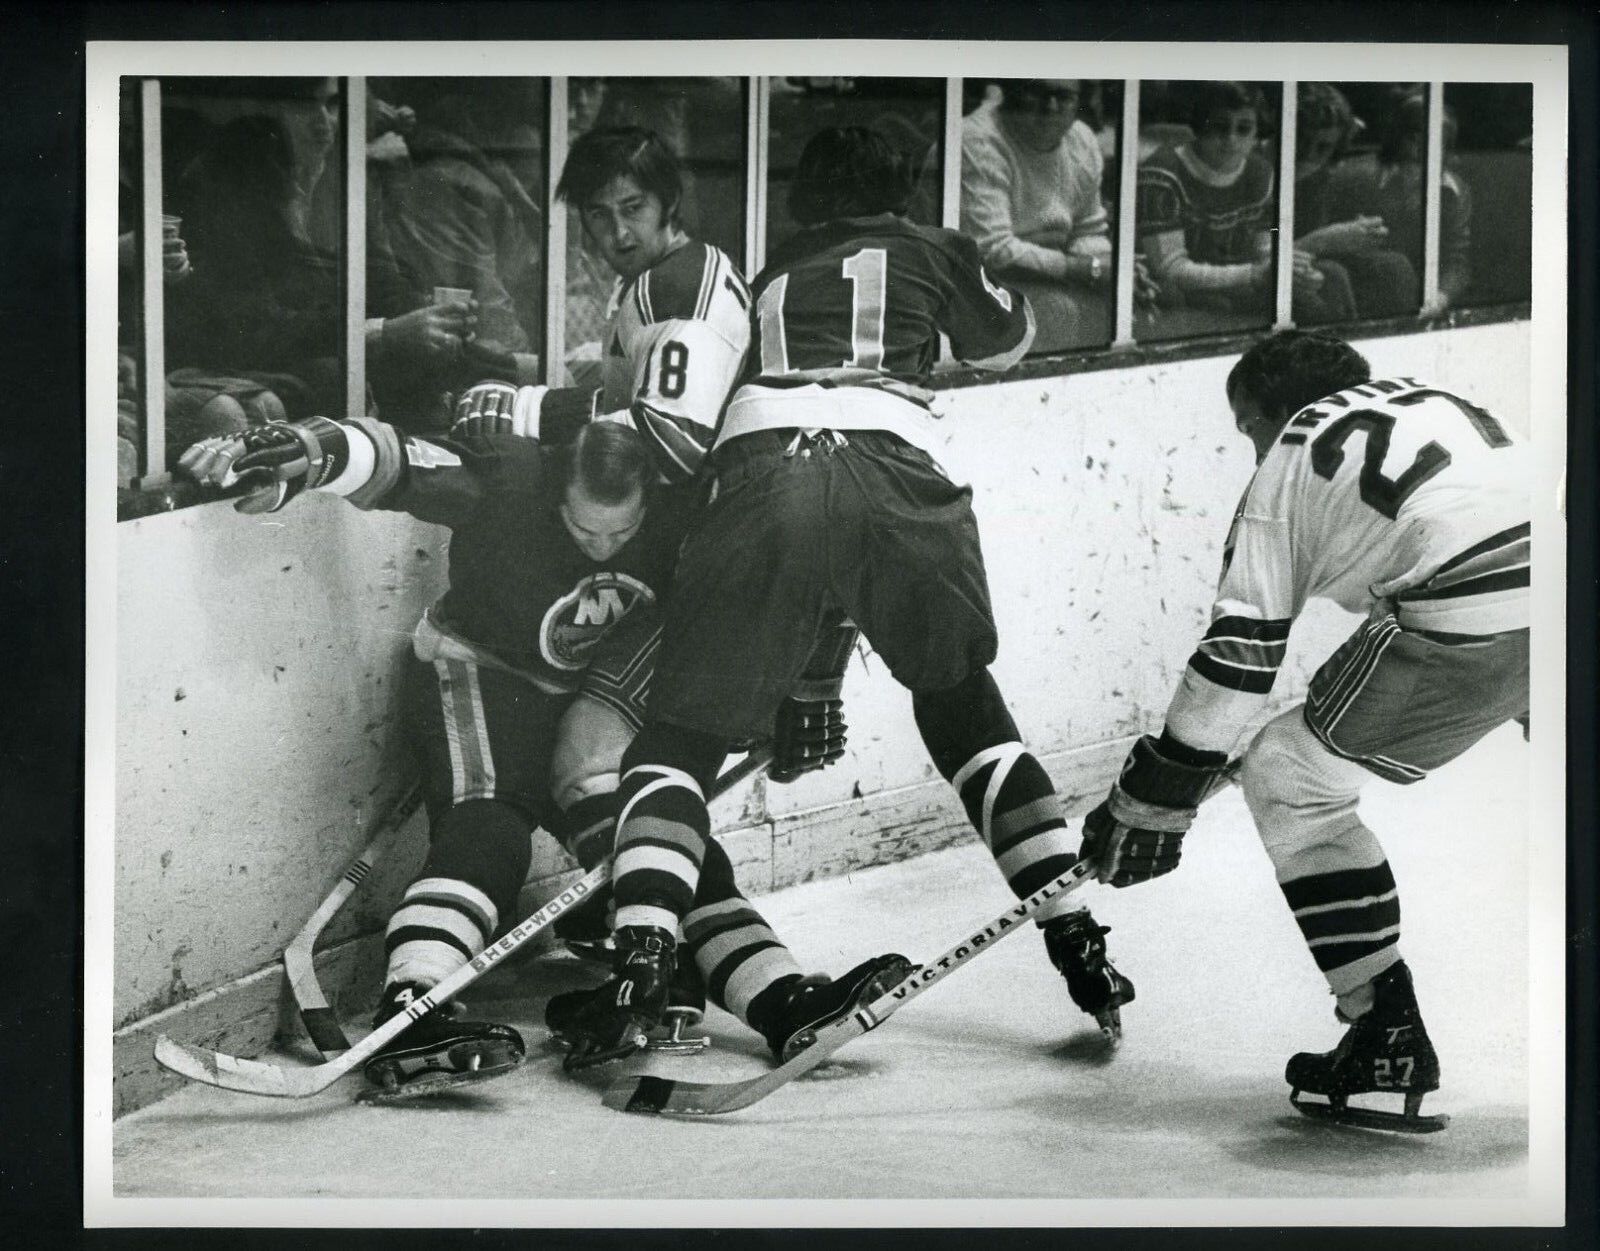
{"points": [[867, 272], [1378, 490]]}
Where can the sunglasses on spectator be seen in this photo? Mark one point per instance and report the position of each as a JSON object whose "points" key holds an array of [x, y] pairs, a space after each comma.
{"points": [[1243, 128], [1043, 95]]}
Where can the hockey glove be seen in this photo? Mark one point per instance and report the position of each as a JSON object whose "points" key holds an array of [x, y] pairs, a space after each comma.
{"points": [[809, 731], [281, 458], [1137, 833], [549, 415]]}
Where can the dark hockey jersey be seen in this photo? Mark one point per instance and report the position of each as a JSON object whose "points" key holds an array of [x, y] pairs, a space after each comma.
{"points": [[523, 596], [861, 302], [872, 295]]}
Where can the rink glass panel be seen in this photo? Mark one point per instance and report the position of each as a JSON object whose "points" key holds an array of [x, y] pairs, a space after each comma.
{"points": [[703, 121], [130, 290], [1489, 150], [1039, 115], [1359, 208], [455, 204], [1207, 170], [908, 112], [252, 171]]}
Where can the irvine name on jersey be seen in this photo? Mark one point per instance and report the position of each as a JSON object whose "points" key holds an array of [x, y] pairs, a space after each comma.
{"points": [[861, 302], [1394, 492], [676, 345]]}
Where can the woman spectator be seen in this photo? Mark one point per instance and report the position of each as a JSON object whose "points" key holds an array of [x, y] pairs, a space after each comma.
{"points": [[1030, 198], [1205, 208]]}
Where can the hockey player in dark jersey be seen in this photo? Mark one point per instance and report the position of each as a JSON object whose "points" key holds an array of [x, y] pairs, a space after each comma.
{"points": [[1424, 530], [674, 346], [825, 500], [547, 631], [531, 669]]}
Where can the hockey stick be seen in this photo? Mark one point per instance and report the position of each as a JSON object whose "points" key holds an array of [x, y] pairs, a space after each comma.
{"points": [[260, 1077], [652, 1095], [299, 957]]}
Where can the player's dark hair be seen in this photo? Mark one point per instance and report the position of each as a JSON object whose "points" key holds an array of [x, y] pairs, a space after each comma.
{"points": [[608, 152], [608, 461], [1209, 99], [849, 171], [1286, 371]]}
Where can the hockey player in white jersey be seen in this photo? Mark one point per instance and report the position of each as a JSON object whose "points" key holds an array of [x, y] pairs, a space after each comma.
{"points": [[678, 322], [1409, 504]]}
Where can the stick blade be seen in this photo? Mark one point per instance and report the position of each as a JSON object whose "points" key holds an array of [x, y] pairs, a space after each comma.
{"points": [[655, 1096], [234, 1073]]}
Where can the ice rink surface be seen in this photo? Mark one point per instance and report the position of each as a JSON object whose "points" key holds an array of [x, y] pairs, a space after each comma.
{"points": [[991, 1085]]}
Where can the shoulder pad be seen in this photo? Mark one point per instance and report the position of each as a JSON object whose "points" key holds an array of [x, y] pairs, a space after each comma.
{"points": [[678, 287]]}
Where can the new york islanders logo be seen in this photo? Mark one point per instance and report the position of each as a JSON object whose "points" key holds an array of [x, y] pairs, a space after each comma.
{"points": [[574, 625]]}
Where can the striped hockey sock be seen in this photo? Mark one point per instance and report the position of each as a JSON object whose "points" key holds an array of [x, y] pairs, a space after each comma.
{"points": [[1013, 806], [587, 828], [441, 923], [661, 841], [735, 950], [1351, 922]]}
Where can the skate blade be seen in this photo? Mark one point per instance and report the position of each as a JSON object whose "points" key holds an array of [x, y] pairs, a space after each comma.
{"points": [[1411, 1121], [669, 1038], [676, 1046], [433, 1082]]}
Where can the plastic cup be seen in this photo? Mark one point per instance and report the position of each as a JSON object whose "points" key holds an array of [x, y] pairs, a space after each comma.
{"points": [[460, 297]]}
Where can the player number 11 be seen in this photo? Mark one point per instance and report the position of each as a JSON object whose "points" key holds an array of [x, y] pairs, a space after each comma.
{"points": [[868, 274]]}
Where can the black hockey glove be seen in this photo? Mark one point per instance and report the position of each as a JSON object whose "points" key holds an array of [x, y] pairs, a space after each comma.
{"points": [[281, 458], [809, 731], [1137, 832]]}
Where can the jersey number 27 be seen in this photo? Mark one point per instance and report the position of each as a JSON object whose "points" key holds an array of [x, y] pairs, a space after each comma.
{"points": [[867, 271], [1378, 490]]}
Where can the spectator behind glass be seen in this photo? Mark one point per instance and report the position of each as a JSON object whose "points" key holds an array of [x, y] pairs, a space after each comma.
{"points": [[1389, 185], [463, 212], [260, 216], [1205, 209], [1352, 252], [1030, 198]]}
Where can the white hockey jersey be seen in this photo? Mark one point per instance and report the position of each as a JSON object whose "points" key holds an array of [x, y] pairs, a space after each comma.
{"points": [[676, 344], [1391, 491]]}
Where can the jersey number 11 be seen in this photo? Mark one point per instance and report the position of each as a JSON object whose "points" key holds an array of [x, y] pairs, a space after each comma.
{"points": [[868, 274]]}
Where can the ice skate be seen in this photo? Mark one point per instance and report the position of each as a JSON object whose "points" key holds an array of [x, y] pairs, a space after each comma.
{"points": [[1076, 945], [1386, 1049], [616, 1018], [686, 1008], [813, 1004], [437, 1052]]}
